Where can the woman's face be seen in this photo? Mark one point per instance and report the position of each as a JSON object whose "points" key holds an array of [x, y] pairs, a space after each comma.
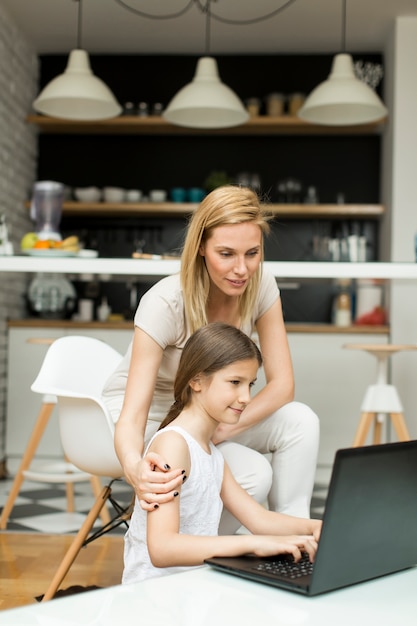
{"points": [[232, 255]]}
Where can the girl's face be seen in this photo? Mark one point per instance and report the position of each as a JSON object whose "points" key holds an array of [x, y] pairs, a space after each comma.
{"points": [[232, 255], [223, 395]]}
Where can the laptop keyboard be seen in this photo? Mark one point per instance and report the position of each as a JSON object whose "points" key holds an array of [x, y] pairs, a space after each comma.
{"points": [[286, 567]]}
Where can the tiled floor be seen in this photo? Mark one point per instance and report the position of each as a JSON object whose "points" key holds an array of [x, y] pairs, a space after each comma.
{"points": [[41, 507]]}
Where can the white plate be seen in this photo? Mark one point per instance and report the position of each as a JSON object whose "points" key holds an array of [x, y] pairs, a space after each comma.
{"points": [[49, 253]]}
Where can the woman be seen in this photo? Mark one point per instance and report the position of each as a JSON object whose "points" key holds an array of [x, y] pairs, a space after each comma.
{"points": [[217, 369], [221, 279]]}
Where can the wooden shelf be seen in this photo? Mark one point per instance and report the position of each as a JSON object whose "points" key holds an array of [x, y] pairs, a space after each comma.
{"points": [[177, 209], [134, 125]]}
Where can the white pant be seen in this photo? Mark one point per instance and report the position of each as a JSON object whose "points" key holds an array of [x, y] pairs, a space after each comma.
{"points": [[291, 437]]}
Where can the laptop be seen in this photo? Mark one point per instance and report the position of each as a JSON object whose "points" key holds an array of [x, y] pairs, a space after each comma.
{"points": [[369, 525]]}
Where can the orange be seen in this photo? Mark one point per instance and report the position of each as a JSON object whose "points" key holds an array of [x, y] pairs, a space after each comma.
{"points": [[41, 244]]}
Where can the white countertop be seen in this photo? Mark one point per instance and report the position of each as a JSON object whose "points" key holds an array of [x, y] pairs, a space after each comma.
{"points": [[158, 268], [203, 597]]}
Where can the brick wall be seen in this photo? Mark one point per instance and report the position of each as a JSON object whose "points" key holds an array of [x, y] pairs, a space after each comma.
{"points": [[18, 145]]}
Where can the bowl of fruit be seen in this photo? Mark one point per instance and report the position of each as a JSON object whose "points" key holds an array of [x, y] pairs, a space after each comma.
{"points": [[32, 245]]}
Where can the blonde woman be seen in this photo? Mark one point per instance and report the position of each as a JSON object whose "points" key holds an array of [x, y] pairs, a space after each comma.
{"points": [[221, 279]]}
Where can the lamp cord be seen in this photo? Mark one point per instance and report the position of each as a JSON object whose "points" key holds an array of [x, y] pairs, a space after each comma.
{"points": [[79, 26], [208, 26], [343, 25], [203, 8], [151, 16]]}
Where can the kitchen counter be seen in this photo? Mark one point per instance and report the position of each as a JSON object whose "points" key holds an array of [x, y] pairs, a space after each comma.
{"points": [[39, 323], [154, 269]]}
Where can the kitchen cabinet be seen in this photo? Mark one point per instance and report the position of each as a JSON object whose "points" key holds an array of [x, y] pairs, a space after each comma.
{"points": [[24, 361]]}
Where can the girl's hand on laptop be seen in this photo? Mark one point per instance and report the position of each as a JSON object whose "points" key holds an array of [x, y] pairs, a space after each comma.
{"points": [[296, 545]]}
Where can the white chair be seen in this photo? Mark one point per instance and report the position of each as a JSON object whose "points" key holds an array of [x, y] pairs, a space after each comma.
{"points": [[80, 375], [74, 371]]}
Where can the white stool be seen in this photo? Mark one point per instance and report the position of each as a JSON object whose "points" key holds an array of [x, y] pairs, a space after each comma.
{"points": [[380, 398]]}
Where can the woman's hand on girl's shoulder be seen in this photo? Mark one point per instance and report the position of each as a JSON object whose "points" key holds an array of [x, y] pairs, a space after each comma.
{"points": [[156, 482]]}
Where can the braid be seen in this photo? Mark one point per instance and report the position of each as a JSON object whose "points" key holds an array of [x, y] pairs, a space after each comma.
{"points": [[174, 411]]}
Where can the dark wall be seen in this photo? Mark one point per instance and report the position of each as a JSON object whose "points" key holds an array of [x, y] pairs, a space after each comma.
{"points": [[333, 164]]}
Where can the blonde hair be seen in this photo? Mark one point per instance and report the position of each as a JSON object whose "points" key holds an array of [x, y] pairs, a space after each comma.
{"points": [[225, 205], [209, 350]]}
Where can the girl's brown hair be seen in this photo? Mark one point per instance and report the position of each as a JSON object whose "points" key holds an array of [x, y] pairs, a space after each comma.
{"points": [[225, 205], [208, 350]]}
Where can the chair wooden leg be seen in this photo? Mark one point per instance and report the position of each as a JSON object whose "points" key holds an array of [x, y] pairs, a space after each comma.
{"points": [[400, 426], [38, 430], [77, 544], [365, 424], [97, 488]]}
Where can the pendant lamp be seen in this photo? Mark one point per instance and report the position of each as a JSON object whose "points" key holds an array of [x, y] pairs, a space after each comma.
{"points": [[343, 99], [77, 94], [206, 102]]}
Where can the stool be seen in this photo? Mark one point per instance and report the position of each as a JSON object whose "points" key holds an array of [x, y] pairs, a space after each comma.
{"points": [[380, 398], [62, 472]]}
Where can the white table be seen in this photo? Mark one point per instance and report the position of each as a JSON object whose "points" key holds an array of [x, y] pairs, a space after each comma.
{"points": [[204, 597]]}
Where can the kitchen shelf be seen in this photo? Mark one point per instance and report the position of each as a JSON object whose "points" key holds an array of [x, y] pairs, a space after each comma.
{"points": [[327, 329], [134, 125], [177, 209], [153, 269]]}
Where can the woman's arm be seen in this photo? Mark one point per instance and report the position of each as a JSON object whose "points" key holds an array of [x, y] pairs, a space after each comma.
{"points": [[169, 548], [279, 375], [150, 487]]}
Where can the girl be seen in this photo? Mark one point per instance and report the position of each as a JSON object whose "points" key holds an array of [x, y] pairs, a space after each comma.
{"points": [[217, 368]]}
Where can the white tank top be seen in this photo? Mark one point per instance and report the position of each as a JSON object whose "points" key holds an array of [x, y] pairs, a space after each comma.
{"points": [[200, 510]]}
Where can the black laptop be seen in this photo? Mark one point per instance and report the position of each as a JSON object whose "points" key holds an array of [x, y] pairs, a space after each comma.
{"points": [[369, 525]]}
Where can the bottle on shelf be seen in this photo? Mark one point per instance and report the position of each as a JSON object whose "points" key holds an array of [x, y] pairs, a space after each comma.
{"points": [[342, 310]]}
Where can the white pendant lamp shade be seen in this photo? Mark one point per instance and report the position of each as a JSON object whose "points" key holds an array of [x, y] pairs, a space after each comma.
{"points": [[77, 94], [206, 102], [342, 99]]}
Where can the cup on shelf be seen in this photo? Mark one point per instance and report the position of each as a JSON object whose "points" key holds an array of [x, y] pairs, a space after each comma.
{"points": [[158, 195], [114, 194], [195, 194], [87, 194], [133, 195], [178, 194]]}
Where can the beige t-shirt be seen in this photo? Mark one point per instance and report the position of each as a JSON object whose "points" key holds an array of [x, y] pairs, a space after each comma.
{"points": [[160, 315]]}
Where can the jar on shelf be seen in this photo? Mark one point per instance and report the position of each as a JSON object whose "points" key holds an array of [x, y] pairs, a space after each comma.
{"points": [[311, 196], [253, 106], [275, 104], [342, 307], [295, 102], [143, 109]]}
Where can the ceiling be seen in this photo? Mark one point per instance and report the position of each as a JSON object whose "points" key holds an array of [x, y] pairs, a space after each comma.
{"points": [[304, 26]]}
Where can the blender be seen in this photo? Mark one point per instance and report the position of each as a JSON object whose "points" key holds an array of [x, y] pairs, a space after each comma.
{"points": [[46, 209]]}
